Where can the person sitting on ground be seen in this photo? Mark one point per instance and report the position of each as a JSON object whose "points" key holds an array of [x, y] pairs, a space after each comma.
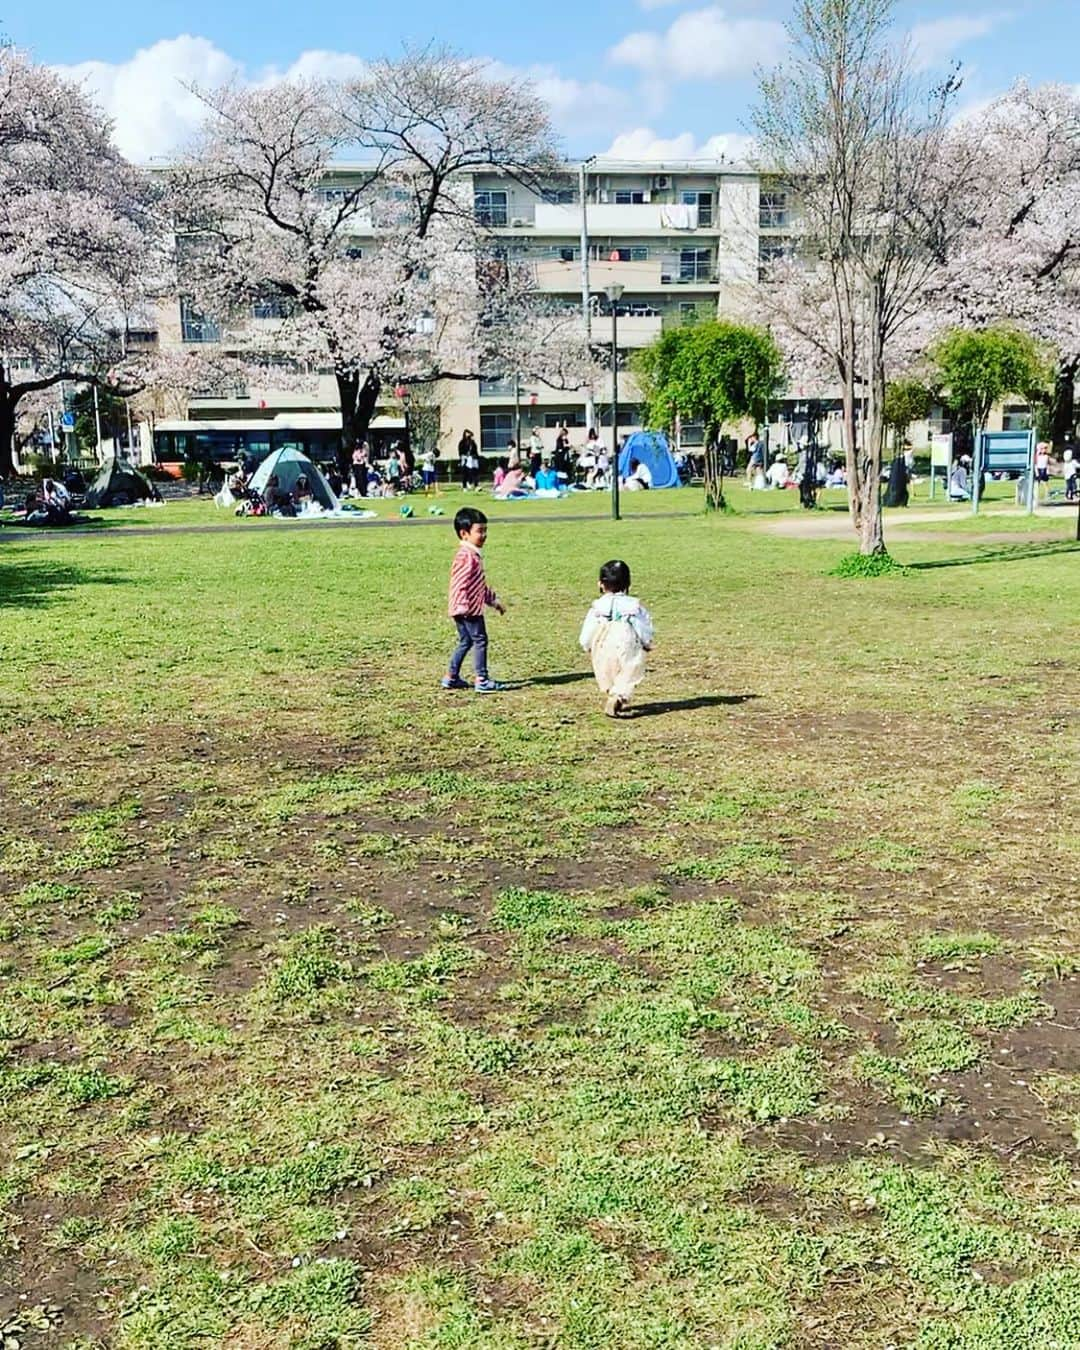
{"points": [[779, 475], [837, 477], [302, 493], [277, 500], [498, 476], [56, 495], [334, 480], [959, 487], [547, 480], [513, 455], [512, 485], [640, 477]]}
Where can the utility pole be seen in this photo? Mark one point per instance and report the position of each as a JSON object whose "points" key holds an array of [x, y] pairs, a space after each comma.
{"points": [[586, 314], [614, 295], [97, 425]]}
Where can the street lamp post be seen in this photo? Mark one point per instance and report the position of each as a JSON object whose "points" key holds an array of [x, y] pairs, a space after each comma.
{"points": [[614, 294]]}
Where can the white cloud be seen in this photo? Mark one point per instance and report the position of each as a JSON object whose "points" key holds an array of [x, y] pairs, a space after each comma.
{"points": [[933, 43], [573, 103], [643, 143], [155, 113], [702, 44]]}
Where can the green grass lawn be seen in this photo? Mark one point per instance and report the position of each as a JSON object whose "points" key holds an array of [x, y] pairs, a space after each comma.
{"points": [[337, 1011]]}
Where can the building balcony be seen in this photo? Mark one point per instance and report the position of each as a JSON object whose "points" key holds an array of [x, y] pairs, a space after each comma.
{"points": [[605, 218]]}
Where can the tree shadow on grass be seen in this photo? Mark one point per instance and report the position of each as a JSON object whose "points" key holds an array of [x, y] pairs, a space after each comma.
{"points": [[691, 704], [1003, 553], [28, 585]]}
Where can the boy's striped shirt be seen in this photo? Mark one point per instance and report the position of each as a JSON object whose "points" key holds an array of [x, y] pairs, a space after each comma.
{"points": [[469, 591]]}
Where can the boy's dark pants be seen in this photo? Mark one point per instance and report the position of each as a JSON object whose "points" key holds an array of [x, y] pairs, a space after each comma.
{"points": [[472, 636]]}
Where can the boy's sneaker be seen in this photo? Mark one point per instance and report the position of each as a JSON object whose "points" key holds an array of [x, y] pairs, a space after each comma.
{"points": [[489, 687], [451, 682]]}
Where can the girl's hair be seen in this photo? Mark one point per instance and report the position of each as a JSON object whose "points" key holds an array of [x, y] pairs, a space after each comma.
{"points": [[615, 576]]}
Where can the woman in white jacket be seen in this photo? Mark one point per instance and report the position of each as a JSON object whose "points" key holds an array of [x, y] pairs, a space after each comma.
{"points": [[617, 632]]}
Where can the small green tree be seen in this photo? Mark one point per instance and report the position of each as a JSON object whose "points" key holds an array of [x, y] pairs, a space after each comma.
{"points": [[112, 409], [906, 401], [712, 373], [979, 368]]}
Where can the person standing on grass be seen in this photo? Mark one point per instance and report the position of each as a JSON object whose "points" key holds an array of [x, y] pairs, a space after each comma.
{"points": [[427, 471], [1072, 476], [1042, 466], [360, 463], [617, 632], [469, 595], [465, 448]]}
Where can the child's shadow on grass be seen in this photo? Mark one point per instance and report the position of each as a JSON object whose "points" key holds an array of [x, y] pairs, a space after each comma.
{"points": [[570, 677], [689, 704]]}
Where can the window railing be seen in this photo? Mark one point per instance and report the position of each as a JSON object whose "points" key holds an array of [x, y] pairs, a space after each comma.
{"points": [[200, 330]]}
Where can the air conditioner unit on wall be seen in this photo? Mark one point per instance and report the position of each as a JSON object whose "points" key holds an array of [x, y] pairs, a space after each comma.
{"points": [[661, 183], [518, 222]]}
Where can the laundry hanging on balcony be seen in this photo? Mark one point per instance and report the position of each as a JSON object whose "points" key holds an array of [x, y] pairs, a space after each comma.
{"points": [[678, 217]]}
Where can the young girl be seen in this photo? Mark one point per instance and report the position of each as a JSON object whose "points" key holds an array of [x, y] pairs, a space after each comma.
{"points": [[617, 632]]}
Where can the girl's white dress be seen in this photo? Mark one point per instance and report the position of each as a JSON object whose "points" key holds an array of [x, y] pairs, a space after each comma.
{"points": [[617, 632]]}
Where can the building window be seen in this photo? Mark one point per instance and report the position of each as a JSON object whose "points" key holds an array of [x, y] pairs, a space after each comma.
{"points": [[772, 214], [691, 434], [769, 250], [195, 327], [629, 197], [626, 253], [695, 264], [703, 202], [332, 196], [354, 253], [496, 432], [271, 307], [1016, 418], [574, 418], [688, 312], [490, 207], [561, 253], [560, 196], [497, 385]]}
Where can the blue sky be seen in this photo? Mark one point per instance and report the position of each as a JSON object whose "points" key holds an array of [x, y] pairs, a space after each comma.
{"points": [[650, 78]]}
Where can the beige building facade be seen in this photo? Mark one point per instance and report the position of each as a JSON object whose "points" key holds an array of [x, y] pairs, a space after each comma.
{"points": [[685, 240]]}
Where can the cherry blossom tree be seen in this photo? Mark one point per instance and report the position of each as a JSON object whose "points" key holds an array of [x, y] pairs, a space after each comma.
{"points": [[345, 210], [80, 244], [1017, 259], [857, 142]]}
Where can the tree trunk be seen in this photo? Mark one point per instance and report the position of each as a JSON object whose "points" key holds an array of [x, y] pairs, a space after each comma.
{"points": [[871, 456], [358, 402], [847, 388], [7, 435], [714, 475], [1063, 408]]}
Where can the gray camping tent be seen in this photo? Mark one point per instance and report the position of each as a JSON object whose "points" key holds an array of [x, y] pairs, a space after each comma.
{"points": [[289, 465], [119, 484]]}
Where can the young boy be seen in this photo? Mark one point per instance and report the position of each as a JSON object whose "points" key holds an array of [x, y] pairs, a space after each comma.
{"points": [[618, 631], [469, 593]]}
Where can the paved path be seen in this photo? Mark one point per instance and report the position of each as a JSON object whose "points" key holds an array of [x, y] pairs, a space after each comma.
{"points": [[260, 526], [837, 525]]}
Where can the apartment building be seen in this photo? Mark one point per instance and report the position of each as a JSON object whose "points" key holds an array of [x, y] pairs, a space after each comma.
{"points": [[683, 240]]}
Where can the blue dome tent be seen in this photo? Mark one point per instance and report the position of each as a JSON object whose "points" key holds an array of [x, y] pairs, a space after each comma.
{"points": [[651, 448]]}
